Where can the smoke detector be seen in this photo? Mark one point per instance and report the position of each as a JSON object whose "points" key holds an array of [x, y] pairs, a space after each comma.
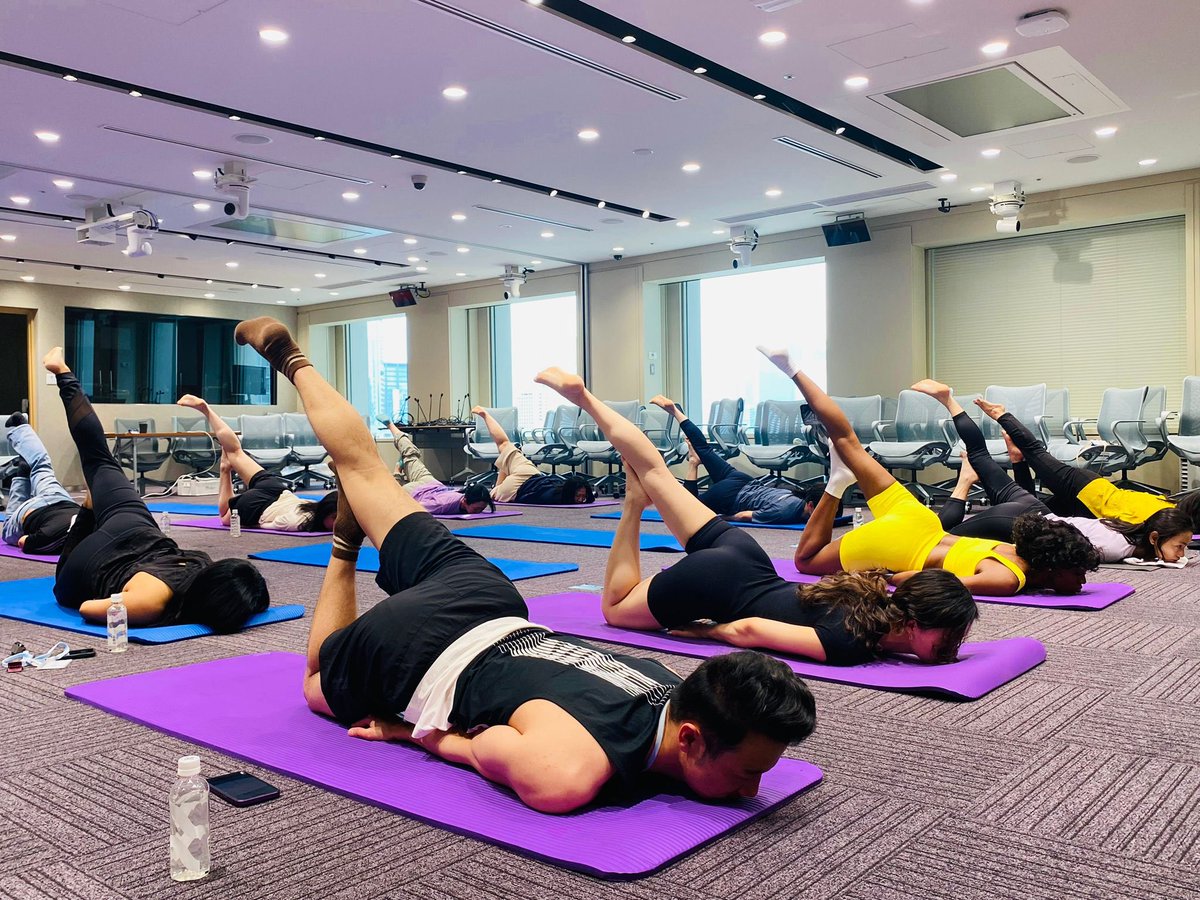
{"points": [[1040, 24]]}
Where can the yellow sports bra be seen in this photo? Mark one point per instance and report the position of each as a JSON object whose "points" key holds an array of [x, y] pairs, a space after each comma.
{"points": [[965, 554]]}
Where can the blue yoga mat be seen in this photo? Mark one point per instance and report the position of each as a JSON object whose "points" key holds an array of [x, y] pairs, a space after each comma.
{"points": [[368, 561], [653, 515], [579, 537], [187, 509], [32, 600]]}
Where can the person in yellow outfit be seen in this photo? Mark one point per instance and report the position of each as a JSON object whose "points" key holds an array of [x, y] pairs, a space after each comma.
{"points": [[1079, 492], [906, 538]]}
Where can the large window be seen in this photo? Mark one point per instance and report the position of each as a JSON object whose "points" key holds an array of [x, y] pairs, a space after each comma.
{"points": [[125, 357], [377, 366], [528, 336], [725, 317]]}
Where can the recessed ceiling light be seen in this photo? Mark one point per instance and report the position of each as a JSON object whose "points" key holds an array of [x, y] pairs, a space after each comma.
{"points": [[589, 134], [454, 92], [554, 192], [628, 39], [273, 35], [20, 201], [8, 237], [495, 181], [772, 37], [318, 274], [547, 234], [535, 262], [995, 48], [600, 204], [1147, 162], [682, 223], [990, 152], [208, 281], [294, 290], [949, 176], [70, 78], [422, 268], [760, 96], [1106, 131], [773, 192], [699, 70], [46, 137], [414, 259], [235, 118], [535, 2], [618, 250], [123, 287], [135, 93], [334, 294], [856, 81], [979, 189], [64, 183], [318, 137], [645, 213], [691, 167], [349, 195], [201, 173], [231, 265], [360, 250], [410, 241], [209, 295], [461, 274], [458, 217], [718, 231], [463, 249], [28, 277], [841, 129], [281, 302], [202, 207], [254, 287]]}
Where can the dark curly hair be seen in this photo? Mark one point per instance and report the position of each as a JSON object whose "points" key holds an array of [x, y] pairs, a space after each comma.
{"points": [[933, 598], [1050, 545], [1168, 523]]}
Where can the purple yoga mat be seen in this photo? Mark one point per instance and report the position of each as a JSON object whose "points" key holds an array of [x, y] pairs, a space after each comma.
{"points": [[18, 553], [981, 667], [1096, 595], [272, 726], [215, 523], [592, 505]]}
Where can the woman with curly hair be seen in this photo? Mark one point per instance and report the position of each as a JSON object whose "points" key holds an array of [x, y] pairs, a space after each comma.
{"points": [[906, 538], [727, 578]]}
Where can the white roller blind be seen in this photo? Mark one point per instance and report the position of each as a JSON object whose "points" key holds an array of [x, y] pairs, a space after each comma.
{"points": [[1086, 309]]}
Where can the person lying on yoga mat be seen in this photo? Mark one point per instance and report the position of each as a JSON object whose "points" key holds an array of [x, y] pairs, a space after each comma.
{"points": [[1080, 492], [39, 508], [268, 501], [449, 660], [906, 538], [728, 578], [1164, 536], [520, 481], [733, 494], [437, 498], [115, 545]]}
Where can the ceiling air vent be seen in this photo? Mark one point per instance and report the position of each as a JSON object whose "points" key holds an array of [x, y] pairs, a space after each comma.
{"points": [[531, 218], [821, 154], [875, 195], [770, 6]]}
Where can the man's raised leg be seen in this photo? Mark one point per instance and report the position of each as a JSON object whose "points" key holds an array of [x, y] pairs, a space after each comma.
{"points": [[377, 500], [683, 514]]}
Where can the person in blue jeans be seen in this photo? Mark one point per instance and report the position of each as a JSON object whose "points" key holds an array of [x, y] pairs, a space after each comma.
{"points": [[40, 510], [734, 494]]}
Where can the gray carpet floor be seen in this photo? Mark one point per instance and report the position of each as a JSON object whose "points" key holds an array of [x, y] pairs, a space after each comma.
{"points": [[1080, 779]]}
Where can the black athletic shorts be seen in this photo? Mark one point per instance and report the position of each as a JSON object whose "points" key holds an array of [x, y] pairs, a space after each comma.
{"points": [[263, 490], [440, 588]]}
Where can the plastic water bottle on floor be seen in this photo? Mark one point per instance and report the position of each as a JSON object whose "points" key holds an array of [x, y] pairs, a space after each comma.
{"points": [[235, 524], [189, 822], [118, 624], [858, 517], [165, 523]]}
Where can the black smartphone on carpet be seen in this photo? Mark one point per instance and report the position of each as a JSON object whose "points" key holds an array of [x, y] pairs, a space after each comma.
{"points": [[242, 789]]}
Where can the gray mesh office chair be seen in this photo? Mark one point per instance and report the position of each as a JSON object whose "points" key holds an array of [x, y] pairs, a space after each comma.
{"points": [[1186, 444], [480, 445], [265, 441], [151, 453], [307, 452], [919, 442], [725, 425], [1027, 403], [663, 431], [1123, 429], [781, 442], [593, 444], [200, 454]]}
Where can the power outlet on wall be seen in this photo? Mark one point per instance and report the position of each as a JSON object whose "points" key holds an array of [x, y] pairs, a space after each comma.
{"points": [[50, 379]]}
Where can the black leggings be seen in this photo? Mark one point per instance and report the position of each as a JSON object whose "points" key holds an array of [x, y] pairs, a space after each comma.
{"points": [[727, 482], [1062, 480], [1008, 499], [116, 507]]}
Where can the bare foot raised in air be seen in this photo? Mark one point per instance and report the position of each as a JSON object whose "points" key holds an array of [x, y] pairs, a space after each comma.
{"points": [[935, 389], [570, 386], [991, 410], [478, 411], [191, 401], [54, 361], [1014, 453], [968, 473], [663, 401]]}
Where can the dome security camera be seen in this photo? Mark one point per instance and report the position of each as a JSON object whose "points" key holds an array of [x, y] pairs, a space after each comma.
{"points": [[231, 179], [419, 182]]}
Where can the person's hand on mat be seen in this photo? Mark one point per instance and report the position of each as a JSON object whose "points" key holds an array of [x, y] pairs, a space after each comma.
{"points": [[991, 410], [725, 632], [382, 730]]}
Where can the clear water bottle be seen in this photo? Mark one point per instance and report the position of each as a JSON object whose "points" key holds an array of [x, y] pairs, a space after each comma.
{"points": [[235, 524], [858, 517], [118, 624], [189, 822], [165, 523]]}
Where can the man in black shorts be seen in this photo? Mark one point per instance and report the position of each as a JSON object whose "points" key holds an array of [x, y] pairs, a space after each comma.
{"points": [[520, 481], [451, 652]]}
